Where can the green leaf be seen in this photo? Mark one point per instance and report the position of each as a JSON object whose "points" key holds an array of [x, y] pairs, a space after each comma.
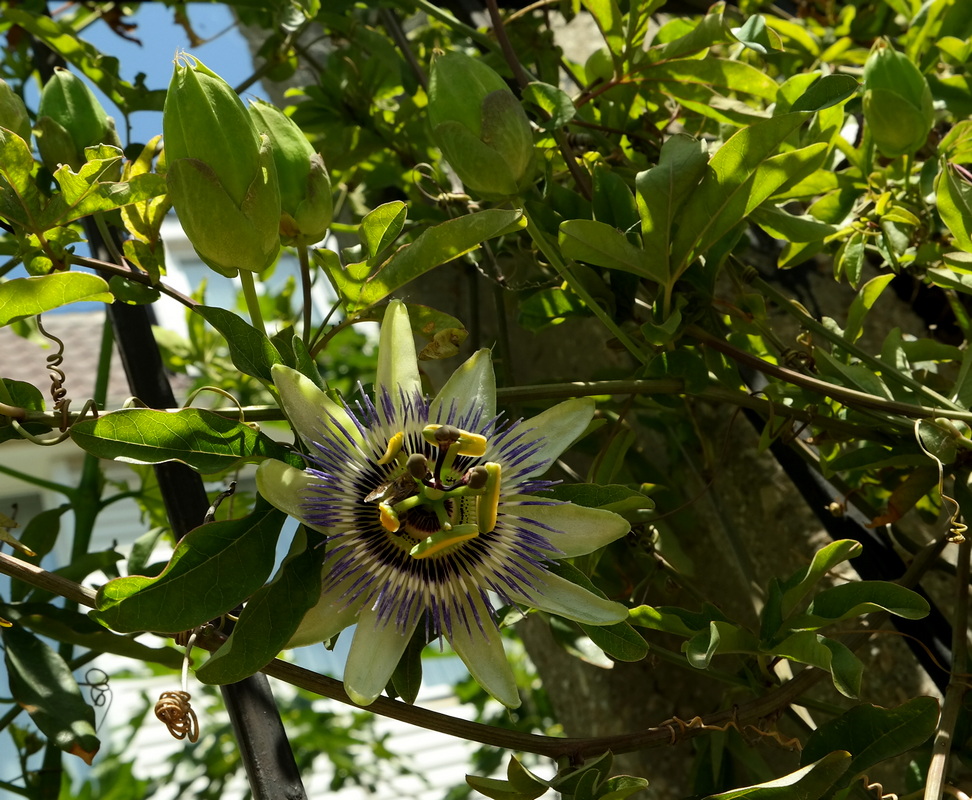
{"points": [[381, 227], [954, 197], [790, 227], [620, 641], [824, 560], [92, 190], [732, 186], [497, 789], [756, 36], [607, 16], [711, 29], [717, 73], [41, 682], [207, 442], [614, 202], [620, 787], [523, 780], [269, 618], [830, 90], [406, 680], [720, 638], [26, 297], [812, 782], [663, 189], [848, 600], [214, 568], [872, 734], [857, 376], [569, 777], [811, 648], [20, 202], [40, 535], [132, 292], [611, 497], [250, 350], [679, 621], [66, 625], [605, 246], [556, 102], [866, 297], [360, 286]]}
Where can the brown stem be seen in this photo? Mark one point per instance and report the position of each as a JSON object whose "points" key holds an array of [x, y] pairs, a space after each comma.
{"points": [[581, 178], [133, 275]]}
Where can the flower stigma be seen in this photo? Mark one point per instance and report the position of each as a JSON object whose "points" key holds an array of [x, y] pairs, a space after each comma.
{"points": [[432, 510]]}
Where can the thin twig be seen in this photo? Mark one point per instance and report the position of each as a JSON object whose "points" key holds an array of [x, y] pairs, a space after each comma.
{"points": [[958, 683]]}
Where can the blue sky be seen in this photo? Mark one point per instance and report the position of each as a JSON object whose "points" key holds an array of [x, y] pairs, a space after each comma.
{"points": [[225, 52]]}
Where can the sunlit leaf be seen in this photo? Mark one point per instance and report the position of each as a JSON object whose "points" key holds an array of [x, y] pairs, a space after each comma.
{"points": [[251, 352], [205, 441], [26, 297], [809, 783], [214, 568], [269, 618]]}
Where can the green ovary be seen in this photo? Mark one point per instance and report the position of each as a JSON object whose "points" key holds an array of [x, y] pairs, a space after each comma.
{"points": [[418, 499]]}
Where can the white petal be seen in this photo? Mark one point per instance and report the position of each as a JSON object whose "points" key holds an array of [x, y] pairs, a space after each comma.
{"points": [[549, 433], [471, 387], [283, 487], [576, 530], [376, 650], [309, 410], [565, 599], [326, 619], [397, 363], [483, 654]]}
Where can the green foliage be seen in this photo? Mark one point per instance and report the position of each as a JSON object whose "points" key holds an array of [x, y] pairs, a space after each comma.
{"points": [[653, 222]]}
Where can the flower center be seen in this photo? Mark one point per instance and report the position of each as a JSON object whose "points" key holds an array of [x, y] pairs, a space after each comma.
{"points": [[427, 504]]}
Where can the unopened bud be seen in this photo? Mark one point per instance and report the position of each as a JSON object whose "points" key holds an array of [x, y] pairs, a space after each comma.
{"points": [[13, 112], [69, 119], [480, 126], [221, 174], [897, 102], [306, 205]]}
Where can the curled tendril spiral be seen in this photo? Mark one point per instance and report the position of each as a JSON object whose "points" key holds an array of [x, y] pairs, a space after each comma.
{"points": [[176, 714]]}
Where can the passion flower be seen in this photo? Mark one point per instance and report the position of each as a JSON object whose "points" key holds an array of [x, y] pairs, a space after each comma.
{"points": [[428, 514]]}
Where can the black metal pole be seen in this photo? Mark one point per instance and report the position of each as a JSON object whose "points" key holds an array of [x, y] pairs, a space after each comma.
{"points": [[265, 750]]}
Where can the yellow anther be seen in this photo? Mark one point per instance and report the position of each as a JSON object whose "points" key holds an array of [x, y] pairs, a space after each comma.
{"points": [[487, 504], [389, 519], [466, 444], [438, 542], [472, 444], [393, 449]]}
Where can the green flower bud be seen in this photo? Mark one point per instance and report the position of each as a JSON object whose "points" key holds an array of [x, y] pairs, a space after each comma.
{"points": [[480, 127], [305, 188], [897, 102], [69, 119], [13, 112], [221, 176]]}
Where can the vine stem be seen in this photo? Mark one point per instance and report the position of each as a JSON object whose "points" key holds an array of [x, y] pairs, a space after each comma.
{"points": [[555, 391], [252, 301], [849, 397], [564, 270], [873, 362], [577, 749], [133, 275], [957, 684], [581, 178], [305, 286]]}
